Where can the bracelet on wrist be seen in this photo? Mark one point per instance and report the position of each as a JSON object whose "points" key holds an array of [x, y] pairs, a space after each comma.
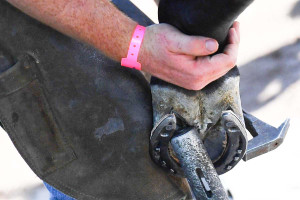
{"points": [[134, 48]]}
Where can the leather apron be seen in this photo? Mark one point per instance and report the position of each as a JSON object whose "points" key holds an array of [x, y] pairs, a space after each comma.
{"points": [[80, 120]]}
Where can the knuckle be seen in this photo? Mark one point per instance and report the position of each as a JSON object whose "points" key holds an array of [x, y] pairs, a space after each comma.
{"points": [[198, 84], [191, 48], [195, 45], [199, 45], [194, 87]]}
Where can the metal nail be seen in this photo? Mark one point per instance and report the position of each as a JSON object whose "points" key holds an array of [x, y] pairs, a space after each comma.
{"points": [[229, 167]]}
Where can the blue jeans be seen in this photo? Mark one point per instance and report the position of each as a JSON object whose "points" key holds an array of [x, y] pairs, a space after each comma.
{"points": [[57, 195]]}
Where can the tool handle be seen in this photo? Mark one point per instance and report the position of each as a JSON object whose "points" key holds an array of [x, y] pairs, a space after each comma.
{"points": [[197, 166]]}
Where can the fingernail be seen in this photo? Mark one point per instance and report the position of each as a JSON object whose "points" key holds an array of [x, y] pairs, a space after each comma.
{"points": [[238, 24], [236, 37], [211, 45]]}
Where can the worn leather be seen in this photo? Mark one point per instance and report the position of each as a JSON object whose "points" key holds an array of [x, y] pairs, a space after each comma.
{"points": [[79, 120]]}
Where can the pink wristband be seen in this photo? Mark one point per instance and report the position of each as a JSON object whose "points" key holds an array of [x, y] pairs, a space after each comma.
{"points": [[134, 48]]}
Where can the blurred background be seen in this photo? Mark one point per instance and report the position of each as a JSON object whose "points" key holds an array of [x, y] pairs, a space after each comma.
{"points": [[269, 61]]}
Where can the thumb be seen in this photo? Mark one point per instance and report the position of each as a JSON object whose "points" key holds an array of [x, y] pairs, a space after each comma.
{"points": [[193, 45]]}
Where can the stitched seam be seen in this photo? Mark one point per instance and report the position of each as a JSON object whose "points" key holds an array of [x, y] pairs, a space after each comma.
{"points": [[14, 91]]}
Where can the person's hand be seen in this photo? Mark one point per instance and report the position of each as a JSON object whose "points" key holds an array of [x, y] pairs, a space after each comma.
{"points": [[183, 60]]}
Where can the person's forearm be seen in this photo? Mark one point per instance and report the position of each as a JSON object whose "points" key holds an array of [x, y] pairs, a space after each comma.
{"points": [[96, 22], [165, 52]]}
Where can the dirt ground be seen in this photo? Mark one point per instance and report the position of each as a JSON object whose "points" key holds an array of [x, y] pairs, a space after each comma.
{"points": [[269, 61]]}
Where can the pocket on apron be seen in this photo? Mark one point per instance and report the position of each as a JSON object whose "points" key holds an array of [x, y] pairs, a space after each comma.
{"points": [[27, 117]]}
